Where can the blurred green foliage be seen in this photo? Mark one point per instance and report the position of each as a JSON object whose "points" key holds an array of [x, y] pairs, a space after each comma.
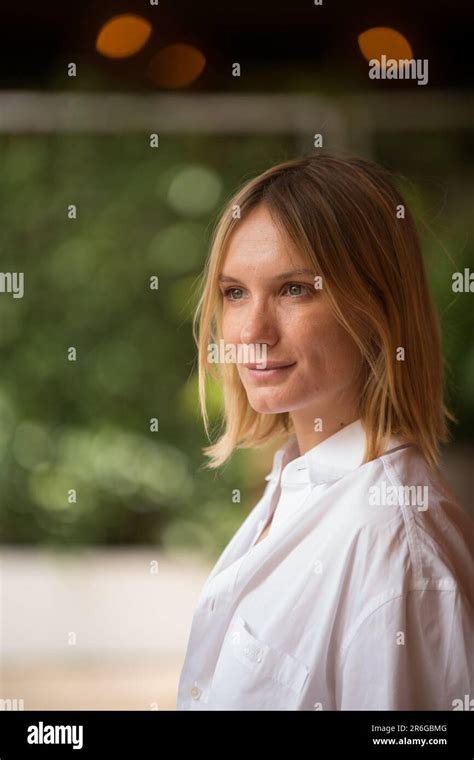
{"points": [[85, 424]]}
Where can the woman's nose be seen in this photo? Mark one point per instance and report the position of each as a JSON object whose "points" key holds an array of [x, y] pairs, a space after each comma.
{"points": [[259, 325]]}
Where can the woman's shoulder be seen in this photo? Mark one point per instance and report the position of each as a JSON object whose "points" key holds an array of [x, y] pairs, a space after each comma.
{"points": [[402, 479], [417, 533]]}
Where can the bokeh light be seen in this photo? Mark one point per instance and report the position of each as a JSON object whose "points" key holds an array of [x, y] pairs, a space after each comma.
{"points": [[32, 446], [194, 190], [381, 40], [177, 248], [176, 65], [123, 36]]}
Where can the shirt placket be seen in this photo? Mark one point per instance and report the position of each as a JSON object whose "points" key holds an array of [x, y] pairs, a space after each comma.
{"points": [[212, 614], [207, 632]]}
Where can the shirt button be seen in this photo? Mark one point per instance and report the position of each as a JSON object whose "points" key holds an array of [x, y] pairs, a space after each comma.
{"points": [[253, 653], [195, 692]]}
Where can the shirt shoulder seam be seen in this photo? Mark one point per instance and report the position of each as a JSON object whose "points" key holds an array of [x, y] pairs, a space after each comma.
{"points": [[409, 522]]}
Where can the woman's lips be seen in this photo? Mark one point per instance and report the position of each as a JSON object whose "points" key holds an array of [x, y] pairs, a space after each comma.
{"points": [[270, 373]]}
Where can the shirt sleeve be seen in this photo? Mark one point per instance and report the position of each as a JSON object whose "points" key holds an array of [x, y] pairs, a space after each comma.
{"points": [[413, 652]]}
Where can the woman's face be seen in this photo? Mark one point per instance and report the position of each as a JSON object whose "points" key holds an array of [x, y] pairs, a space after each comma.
{"points": [[263, 304]]}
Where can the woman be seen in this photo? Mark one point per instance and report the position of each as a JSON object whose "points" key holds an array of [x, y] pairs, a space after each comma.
{"points": [[349, 586]]}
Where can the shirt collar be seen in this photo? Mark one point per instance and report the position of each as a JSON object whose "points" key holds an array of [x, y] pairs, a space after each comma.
{"points": [[328, 461]]}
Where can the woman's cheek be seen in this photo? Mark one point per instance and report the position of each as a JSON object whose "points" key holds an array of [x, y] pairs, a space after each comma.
{"points": [[229, 329]]}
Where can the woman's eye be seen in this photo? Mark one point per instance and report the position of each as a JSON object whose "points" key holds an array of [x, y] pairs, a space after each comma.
{"points": [[297, 289], [297, 285], [229, 291]]}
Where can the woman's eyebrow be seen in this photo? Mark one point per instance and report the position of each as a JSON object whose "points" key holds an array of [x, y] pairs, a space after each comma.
{"points": [[281, 276]]}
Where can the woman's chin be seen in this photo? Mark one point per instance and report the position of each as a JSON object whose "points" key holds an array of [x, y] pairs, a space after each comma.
{"points": [[266, 407]]}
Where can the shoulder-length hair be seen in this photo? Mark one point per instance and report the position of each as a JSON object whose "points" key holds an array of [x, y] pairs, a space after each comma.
{"points": [[350, 222]]}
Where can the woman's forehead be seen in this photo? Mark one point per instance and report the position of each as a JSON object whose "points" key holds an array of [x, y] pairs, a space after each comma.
{"points": [[257, 242]]}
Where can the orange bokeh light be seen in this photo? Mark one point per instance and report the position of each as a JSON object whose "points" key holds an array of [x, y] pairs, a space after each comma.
{"points": [[123, 36], [176, 65], [381, 40]]}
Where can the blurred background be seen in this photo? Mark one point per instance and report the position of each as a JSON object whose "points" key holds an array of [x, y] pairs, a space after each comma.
{"points": [[98, 587]]}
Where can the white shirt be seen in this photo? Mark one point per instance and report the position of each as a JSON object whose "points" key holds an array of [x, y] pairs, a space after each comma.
{"points": [[361, 596]]}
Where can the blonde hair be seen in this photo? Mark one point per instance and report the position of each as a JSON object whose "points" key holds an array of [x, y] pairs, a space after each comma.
{"points": [[348, 220]]}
